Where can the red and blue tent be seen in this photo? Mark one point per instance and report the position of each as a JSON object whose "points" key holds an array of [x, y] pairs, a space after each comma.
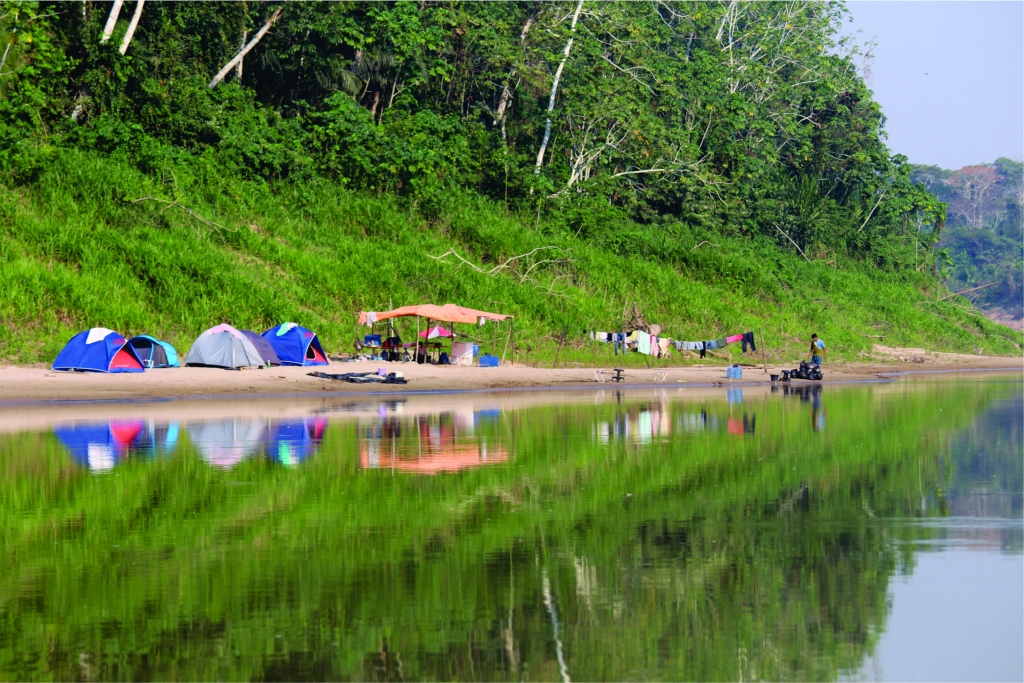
{"points": [[98, 350], [295, 345]]}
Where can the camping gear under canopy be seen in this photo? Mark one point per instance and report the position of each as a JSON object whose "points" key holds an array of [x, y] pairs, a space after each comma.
{"points": [[295, 345], [98, 350], [449, 313], [154, 353], [435, 332], [223, 347], [263, 346]]}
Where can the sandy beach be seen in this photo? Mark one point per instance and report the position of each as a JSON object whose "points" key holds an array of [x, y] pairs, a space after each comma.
{"points": [[20, 384]]}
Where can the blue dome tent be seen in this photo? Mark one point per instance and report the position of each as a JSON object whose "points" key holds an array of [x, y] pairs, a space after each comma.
{"points": [[295, 345], [98, 350], [155, 353]]}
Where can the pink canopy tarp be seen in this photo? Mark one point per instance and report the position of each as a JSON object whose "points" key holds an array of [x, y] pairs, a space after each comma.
{"points": [[449, 313]]}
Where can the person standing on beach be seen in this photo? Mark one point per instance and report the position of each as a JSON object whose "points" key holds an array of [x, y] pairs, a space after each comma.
{"points": [[818, 350]]}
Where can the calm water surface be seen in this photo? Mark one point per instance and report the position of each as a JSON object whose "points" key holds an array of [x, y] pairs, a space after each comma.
{"points": [[861, 532]]}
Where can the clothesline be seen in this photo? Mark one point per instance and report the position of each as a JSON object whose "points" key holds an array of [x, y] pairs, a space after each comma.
{"points": [[653, 345]]}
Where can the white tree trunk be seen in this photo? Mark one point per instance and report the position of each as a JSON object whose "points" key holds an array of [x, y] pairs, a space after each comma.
{"points": [[132, 26], [554, 89], [505, 91], [241, 53], [241, 44], [108, 30]]}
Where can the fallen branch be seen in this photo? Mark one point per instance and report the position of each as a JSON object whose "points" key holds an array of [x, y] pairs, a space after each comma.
{"points": [[702, 244], [187, 211], [793, 243], [508, 263], [966, 291]]}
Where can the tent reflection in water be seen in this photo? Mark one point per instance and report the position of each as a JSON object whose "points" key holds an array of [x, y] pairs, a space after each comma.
{"points": [[294, 441], [225, 443], [102, 445]]}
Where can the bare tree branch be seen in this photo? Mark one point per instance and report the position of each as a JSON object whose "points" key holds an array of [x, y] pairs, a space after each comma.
{"points": [[793, 243]]}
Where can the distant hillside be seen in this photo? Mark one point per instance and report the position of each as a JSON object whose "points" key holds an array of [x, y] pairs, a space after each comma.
{"points": [[984, 235]]}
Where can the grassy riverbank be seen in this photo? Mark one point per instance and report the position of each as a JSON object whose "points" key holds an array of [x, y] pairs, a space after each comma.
{"points": [[79, 249]]}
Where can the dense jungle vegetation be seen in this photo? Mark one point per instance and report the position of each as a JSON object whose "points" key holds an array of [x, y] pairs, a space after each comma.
{"points": [[722, 165], [984, 234]]}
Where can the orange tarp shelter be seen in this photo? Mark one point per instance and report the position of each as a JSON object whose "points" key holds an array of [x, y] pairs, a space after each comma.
{"points": [[449, 313]]}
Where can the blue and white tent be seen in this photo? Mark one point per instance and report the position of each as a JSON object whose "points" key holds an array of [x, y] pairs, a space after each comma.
{"points": [[295, 345], [98, 350]]}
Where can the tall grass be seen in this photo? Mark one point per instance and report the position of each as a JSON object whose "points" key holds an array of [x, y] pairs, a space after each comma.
{"points": [[77, 250]]}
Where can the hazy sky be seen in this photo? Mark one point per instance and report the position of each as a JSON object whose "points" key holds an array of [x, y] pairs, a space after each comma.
{"points": [[949, 76]]}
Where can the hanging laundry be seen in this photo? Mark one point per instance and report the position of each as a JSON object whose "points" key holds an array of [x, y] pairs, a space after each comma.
{"points": [[722, 343], [643, 342], [702, 349], [734, 338], [748, 338]]}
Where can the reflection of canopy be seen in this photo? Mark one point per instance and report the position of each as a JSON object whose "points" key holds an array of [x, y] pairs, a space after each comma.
{"points": [[449, 313], [434, 332], [452, 458]]}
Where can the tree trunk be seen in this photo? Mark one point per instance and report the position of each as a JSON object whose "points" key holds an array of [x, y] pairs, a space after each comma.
{"points": [[505, 91], [132, 26], [554, 89], [245, 50], [108, 30], [241, 44]]}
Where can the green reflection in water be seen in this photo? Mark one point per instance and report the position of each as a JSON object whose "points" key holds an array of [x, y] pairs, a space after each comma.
{"points": [[649, 537]]}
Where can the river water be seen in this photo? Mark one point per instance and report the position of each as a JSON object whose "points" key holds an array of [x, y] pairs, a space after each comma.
{"points": [[861, 532]]}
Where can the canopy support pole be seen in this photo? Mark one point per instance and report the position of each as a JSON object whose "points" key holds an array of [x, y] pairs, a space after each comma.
{"points": [[507, 338], [416, 349]]}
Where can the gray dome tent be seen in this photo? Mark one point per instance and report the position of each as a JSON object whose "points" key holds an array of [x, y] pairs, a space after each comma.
{"points": [[223, 347], [263, 347]]}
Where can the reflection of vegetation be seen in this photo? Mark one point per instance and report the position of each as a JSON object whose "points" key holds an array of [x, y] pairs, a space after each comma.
{"points": [[698, 555]]}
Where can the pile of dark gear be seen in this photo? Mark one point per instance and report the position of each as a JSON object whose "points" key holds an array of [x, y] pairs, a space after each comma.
{"points": [[806, 371], [363, 377]]}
